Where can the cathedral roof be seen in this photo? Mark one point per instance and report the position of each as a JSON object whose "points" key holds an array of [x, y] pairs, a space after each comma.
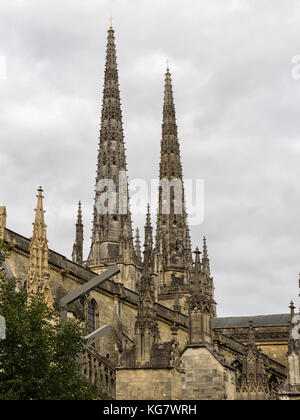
{"points": [[258, 321]]}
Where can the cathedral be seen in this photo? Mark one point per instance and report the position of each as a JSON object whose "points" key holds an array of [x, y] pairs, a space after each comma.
{"points": [[165, 340]]}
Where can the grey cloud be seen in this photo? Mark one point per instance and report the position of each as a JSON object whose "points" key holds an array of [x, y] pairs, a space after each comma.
{"points": [[237, 111]]}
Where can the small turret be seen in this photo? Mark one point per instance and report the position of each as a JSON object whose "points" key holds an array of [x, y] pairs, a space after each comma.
{"points": [[77, 255], [38, 277], [200, 306], [138, 251], [148, 244]]}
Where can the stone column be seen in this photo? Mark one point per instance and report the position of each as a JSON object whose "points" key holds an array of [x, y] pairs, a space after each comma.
{"points": [[3, 216]]}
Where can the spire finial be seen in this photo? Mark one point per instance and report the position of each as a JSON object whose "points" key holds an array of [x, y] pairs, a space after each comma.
{"points": [[168, 68], [77, 254], [205, 253], [148, 216], [148, 244], [197, 253], [138, 246], [111, 22], [39, 211]]}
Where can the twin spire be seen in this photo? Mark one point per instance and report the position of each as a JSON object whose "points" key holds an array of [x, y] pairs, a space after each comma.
{"points": [[112, 236]]}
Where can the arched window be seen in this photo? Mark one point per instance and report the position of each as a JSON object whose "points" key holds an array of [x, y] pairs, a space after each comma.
{"points": [[91, 315]]}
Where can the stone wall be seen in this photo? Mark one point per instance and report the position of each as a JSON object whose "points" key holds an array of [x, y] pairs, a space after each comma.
{"points": [[276, 351], [117, 306], [205, 378], [148, 384], [271, 339]]}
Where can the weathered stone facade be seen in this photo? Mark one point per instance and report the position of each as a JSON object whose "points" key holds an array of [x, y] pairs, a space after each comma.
{"points": [[165, 340], [162, 384], [206, 376]]}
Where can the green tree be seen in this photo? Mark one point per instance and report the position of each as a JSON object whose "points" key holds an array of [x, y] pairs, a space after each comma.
{"points": [[39, 357]]}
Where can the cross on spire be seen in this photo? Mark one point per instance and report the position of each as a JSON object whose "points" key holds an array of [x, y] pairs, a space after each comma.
{"points": [[111, 21]]}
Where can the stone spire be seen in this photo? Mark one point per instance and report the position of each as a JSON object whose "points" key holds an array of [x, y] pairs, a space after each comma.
{"points": [[200, 304], [112, 225], [38, 277], [207, 273], [173, 247], [77, 255], [138, 251], [3, 216], [205, 259], [148, 244]]}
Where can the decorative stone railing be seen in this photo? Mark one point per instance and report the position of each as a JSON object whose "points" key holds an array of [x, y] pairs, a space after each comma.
{"points": [[100, 372]]}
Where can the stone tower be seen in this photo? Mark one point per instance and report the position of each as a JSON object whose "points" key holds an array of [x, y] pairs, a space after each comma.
{"points": [[173, 256], [112, 240], [38, 277], [77, 254], [138, 251]]}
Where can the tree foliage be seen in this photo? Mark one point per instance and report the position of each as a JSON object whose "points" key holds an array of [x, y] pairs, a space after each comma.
{"points": [[39, 357]]}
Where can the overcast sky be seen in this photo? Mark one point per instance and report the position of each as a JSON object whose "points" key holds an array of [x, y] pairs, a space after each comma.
{"points": [[237, 111]]}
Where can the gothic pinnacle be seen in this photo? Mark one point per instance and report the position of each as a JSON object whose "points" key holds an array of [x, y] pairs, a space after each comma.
{"points": [[205, 259], [205, 254], [138, 246], [79, 218], [39, 211], [197, 256], [77, 255], [38, 277], [148, 244]]}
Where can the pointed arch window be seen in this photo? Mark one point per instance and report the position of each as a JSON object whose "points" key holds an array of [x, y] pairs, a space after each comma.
{"points": [[92, 314]]}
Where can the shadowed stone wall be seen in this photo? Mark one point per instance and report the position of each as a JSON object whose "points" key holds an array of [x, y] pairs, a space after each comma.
{"points": [[205, 378], [148, 384]]}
